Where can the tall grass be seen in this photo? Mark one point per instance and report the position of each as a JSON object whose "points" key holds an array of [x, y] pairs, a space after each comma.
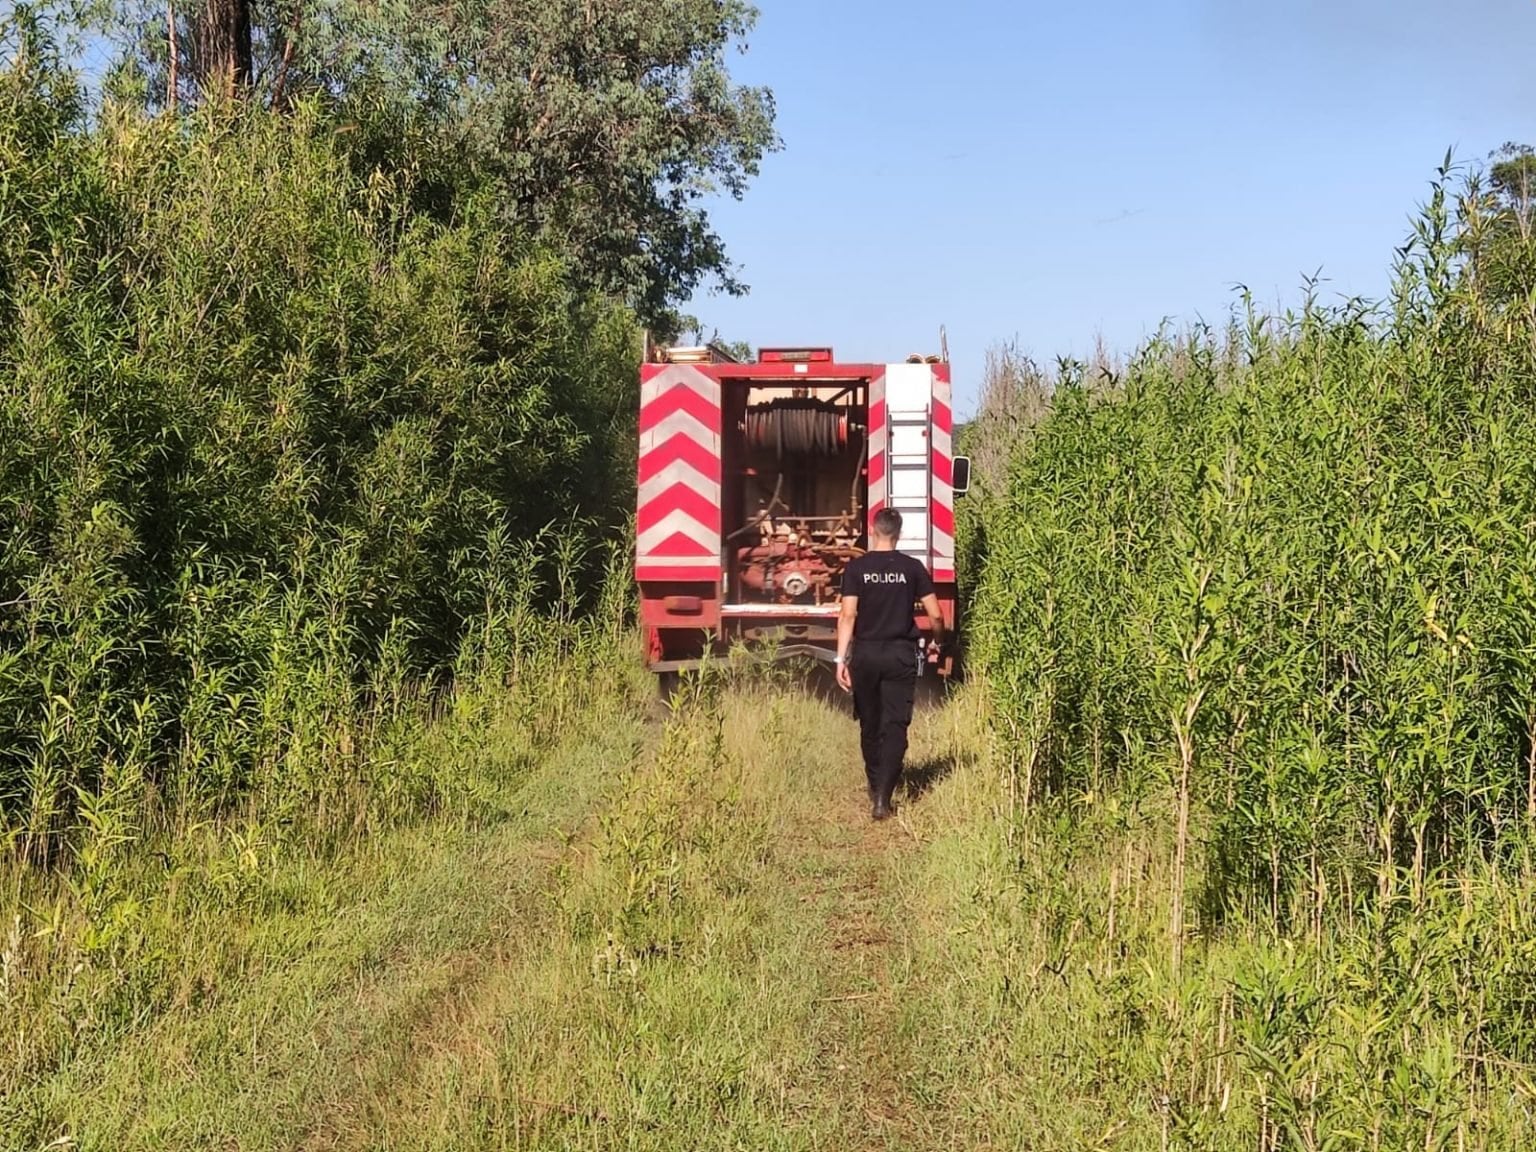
{"points": [[1284, 572], [1273, 590]]}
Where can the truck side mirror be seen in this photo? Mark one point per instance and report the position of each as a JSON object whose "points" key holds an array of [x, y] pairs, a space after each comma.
{"points": [[962, 475]]}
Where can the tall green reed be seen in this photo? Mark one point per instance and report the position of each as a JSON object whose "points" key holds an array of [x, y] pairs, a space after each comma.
{"points": [[1284, 569]]}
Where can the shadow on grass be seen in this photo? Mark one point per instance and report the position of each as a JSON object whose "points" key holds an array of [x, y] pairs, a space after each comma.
{"points": [[923, 776], [811, 678], [819, 681]]}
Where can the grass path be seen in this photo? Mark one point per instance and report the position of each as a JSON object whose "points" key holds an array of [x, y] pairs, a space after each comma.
{"points": [[845, 879], [675, 936], [724, 968]]}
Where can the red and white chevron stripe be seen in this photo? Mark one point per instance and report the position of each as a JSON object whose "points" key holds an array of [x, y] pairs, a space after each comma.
{"points": [[678, 529], [943, 508], [879, 448]]}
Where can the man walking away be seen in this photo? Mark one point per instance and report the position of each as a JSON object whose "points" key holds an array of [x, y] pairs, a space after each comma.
{"points": [[878, 630]]}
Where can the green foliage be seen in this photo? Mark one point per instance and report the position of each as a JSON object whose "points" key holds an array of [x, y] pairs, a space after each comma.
{"points": [[1256, 623], [273, 446], [1283, 573], [598, 126], [255, 921], [1513, 173], [1501, 218]]}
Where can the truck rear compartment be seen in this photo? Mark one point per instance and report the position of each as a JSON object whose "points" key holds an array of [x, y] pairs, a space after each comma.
{"points": [[757, 482], [795, 493]]}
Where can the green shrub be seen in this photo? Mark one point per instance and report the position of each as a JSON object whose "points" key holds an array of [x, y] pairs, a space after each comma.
{"points": [[272, 447]]}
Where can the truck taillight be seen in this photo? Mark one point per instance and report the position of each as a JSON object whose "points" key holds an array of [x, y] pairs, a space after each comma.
{"points": [[794, 356]]}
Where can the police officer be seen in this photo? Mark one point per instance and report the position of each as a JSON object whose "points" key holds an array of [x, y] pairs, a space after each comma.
{"points": [[878, 633]]}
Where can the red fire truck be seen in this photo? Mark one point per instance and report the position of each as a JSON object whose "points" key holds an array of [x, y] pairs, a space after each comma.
{"points": [[757, 485]]}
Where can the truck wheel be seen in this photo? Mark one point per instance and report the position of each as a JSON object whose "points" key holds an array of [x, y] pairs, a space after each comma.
{"points": [[667, 684]]}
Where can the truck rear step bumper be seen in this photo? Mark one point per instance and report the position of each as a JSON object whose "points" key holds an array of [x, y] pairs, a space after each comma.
{"points": [[753, 655]]}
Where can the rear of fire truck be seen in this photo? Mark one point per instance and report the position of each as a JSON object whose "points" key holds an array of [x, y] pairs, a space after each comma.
{"points": [[757, 484]]}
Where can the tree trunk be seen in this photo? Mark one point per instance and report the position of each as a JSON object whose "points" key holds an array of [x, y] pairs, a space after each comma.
{"points": [[173, 77], [224, 48]]}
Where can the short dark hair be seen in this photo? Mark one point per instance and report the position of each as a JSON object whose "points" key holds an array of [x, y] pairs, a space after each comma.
{"points": [[888, 523]]}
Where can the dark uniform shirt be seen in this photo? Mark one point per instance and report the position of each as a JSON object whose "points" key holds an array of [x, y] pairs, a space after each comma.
{"points": [[888, 585]]}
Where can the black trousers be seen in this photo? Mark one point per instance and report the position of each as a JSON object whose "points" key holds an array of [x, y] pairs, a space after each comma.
{"points": [[884, 676]]}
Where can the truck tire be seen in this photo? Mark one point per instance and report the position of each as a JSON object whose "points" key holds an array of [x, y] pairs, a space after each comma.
{"points": [[667, 684]]}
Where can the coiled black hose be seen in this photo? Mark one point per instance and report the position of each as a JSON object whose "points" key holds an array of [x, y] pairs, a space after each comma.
{"points": [[797, 428]]}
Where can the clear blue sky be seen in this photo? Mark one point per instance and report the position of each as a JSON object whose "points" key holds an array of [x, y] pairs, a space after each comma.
{"points": [[1059, 171]]}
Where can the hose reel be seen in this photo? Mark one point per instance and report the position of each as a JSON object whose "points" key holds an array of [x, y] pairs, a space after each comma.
{"points": [[797, 426]]}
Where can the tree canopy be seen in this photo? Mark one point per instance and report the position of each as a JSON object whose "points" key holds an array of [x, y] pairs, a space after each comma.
{"points": [[601, 126], [1499, 232], [1513, 174]]}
